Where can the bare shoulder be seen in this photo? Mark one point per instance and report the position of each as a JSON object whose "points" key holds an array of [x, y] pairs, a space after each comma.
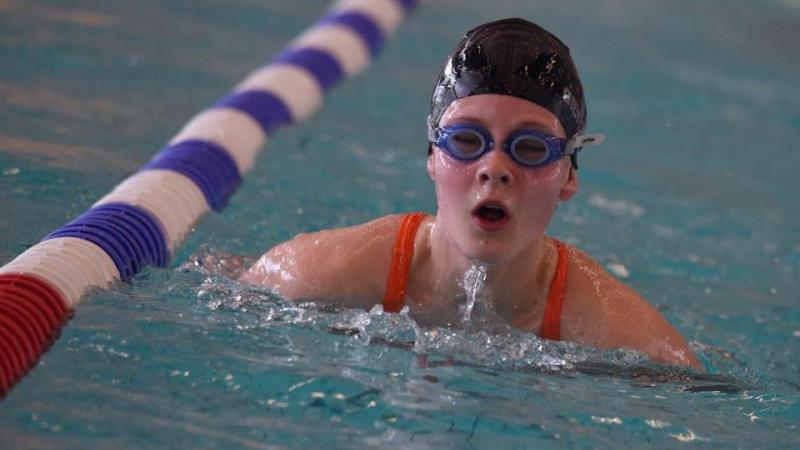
{"points": [[346, 265], [601, 311]]}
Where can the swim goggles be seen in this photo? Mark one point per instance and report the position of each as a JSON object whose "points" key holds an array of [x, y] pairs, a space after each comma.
{"points": [[530, 148]]}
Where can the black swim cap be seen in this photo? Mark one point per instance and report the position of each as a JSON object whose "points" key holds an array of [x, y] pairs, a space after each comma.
{"points": [[518, 58]]}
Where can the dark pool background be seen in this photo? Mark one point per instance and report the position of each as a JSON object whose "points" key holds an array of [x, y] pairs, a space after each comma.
{"points": [[692, 200]]}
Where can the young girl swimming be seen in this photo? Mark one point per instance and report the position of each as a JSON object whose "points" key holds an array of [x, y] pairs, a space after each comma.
{"points": [[505, 128]]}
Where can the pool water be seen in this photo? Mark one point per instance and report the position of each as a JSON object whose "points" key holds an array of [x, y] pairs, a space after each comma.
{"points": [[691, 201]]}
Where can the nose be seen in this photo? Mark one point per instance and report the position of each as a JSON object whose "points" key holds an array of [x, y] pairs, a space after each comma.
{"points": [[495, 168]]}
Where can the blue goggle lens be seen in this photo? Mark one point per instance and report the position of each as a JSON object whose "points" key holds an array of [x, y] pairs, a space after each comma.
{"points": [[466, 143], [529, 150]]}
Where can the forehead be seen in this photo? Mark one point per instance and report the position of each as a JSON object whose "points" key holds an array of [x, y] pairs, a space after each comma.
{"points": [[504, 111]]}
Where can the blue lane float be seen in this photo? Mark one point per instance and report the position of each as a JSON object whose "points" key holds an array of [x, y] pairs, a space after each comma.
{"points": [[129, 235], [265, 108], [147, 216], [207, 164], [409, 5], [321, 65], [361, 24]]}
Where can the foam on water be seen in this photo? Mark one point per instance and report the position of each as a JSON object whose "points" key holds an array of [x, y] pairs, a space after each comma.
{"points": [[479, 340]]}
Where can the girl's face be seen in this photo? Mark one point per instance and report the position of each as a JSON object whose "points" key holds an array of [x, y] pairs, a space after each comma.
{"points": [[493, 209]]}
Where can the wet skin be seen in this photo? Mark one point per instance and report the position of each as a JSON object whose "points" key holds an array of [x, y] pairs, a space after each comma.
{"points": [[349, 266]]}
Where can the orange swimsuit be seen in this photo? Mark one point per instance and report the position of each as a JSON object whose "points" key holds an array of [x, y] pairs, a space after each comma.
{"points": [[403, 253]]}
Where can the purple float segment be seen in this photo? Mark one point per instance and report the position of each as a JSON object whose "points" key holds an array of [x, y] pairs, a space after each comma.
{"points": [[408, 5], [129, 235], [265, 108], [321, 65], [207, 164], [362, 24]]}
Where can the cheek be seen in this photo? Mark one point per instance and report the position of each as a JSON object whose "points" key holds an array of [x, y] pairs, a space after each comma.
{"points": [[546, 182], [453, 178]]}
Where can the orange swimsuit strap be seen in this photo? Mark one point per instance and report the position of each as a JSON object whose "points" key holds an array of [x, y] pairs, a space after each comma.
{"points": [[400, 268], [551, 325]]}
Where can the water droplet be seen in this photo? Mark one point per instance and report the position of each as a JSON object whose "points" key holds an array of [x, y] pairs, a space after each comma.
{"points": [[619, 270], [277, 404], [653, 423], [753, 417], [689, 436], [607, 420]]}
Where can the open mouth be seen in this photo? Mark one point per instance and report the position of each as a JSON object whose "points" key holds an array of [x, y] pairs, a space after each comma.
{"points": [[490, 215]]}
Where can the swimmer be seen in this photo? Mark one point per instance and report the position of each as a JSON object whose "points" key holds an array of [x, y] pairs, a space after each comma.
{"points": [[506, 124]]}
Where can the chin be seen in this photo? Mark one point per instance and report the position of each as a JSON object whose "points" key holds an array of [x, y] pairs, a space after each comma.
{"points": [[487, 253]]}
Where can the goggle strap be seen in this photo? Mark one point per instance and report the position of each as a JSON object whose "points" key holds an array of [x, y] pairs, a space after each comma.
{"points": [[432, 134], [576, 143]]}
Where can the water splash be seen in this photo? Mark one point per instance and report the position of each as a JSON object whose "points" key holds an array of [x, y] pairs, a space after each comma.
{"points": [[483, 340], [473, 282], [213, 261]]}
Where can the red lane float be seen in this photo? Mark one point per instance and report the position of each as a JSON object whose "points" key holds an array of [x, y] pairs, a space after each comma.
{"points": [[32, 313]]}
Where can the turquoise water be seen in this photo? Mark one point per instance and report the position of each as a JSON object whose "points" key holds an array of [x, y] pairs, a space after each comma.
{"points": [[693, 194]]}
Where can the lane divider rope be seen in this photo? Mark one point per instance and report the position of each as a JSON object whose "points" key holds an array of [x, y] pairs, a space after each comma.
{"points": [[144, 220]]}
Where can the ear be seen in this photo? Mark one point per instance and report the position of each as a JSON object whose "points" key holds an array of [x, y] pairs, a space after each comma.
{"points": [[431, 165], [570, 186]]}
